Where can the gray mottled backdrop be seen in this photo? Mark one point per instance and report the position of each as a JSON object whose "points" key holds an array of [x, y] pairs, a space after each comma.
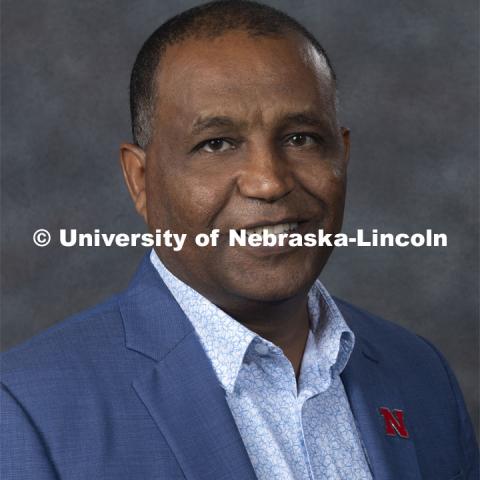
{"points": [[408, 83]]}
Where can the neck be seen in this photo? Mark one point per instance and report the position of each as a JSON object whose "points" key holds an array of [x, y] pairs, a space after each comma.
{"points": [[285, 324]]}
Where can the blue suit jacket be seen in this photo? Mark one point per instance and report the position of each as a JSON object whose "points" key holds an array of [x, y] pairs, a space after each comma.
{"points": [[125, 391]]}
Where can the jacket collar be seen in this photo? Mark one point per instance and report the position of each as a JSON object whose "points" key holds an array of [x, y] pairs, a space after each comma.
{"points": [[154, 323]]}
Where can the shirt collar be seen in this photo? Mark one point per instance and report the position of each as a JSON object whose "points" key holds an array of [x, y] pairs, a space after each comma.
{"points": [[226, 341], [329, 345], [334, 341]]}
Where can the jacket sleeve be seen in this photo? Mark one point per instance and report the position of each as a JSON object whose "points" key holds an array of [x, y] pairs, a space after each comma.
{"points": [[23, 454], [468, 442]]}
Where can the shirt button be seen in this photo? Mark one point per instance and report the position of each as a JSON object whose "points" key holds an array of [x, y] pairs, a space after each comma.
{"points": [[261, 348]]}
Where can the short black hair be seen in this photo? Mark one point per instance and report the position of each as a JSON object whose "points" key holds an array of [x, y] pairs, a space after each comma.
{"points": [[209, 20]]}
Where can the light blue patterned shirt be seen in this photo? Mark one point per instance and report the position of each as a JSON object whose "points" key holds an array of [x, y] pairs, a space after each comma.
{"points": [[289, 431]]}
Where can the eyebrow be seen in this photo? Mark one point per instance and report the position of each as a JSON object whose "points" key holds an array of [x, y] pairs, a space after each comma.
{"points": [[221, 121], [205, 123], [304, 118]]}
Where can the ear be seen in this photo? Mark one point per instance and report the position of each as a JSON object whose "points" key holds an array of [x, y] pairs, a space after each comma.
{"points": [[133, 161], [346, 145]]}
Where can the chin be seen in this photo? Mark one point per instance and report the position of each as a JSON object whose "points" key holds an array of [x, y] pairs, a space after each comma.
{"points": [[271, 295], [271, 285]]}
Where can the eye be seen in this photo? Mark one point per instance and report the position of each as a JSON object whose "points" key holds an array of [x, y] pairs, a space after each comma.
{"points": [[216, 145], [301, 140]]}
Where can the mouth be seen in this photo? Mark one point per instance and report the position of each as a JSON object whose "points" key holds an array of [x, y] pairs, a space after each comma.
{"points": [[275, 229], [272, 237], [275, 226], [281, 228]]}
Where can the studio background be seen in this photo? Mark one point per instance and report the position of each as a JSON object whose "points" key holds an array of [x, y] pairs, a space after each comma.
{"points": [[408, 84]]}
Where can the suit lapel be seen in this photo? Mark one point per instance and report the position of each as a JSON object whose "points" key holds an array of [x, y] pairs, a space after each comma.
{"points": [[369, 387], [181, 391]]}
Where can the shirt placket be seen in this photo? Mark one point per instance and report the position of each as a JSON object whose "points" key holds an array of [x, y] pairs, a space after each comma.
{"points": [[297, 399]]}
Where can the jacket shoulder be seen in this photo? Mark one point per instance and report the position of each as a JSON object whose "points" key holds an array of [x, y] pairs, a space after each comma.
{"points": [[401, 352], [62, 345], [383, 335]]}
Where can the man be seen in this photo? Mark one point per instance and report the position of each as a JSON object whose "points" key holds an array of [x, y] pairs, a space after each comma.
{"points": [[233, 362]]}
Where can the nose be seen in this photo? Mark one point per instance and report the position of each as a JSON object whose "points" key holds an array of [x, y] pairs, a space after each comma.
{"points": [[266, 176]]}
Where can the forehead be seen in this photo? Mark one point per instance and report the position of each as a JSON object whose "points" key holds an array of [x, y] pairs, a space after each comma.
{"points": [[243, 73]]}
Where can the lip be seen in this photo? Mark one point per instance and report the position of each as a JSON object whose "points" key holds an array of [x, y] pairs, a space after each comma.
{"points": [[265, 251], [268, 222]]}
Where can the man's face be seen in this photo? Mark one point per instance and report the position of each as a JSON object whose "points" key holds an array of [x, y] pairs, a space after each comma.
{"points": [[245, 135]]}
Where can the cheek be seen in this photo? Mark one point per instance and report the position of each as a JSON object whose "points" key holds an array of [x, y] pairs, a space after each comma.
{"points": [[183, 201], [325, 184]]}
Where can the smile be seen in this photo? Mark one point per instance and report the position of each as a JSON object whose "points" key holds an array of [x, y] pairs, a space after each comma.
{"points": [[273, 229]]}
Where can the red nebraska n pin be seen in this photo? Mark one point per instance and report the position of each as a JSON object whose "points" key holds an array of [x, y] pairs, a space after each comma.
{"points": [[394, 422]]}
